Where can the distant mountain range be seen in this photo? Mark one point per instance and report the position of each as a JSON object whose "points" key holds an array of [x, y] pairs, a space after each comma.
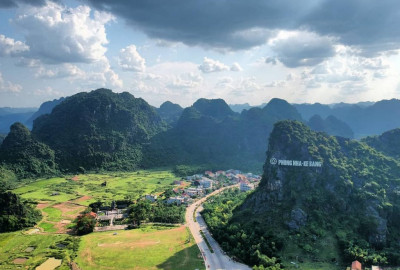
{"points": [[106, 130], [8, 116], [364, 118]]}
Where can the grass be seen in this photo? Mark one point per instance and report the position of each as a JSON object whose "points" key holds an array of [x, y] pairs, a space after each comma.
{"points": [[144, 248], [47, 227], [326, 248], [13, 245], [150, 247], [53, 214], [122, 185]]}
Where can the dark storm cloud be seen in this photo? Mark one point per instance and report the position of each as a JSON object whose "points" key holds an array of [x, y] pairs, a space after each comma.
{"points": [[372, 25], [302, 49], [208, 23], [15, 3]]}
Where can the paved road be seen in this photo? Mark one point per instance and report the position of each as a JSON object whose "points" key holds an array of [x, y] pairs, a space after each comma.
{"points": [[217, 260]]}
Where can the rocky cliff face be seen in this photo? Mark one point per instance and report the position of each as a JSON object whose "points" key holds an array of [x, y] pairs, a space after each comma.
{"points": [[313, 182]]}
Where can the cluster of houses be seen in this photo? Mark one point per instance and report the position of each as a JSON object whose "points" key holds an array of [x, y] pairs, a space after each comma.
{"points": [[201, 184], [356, 265], [195, 186], [246, 181]]}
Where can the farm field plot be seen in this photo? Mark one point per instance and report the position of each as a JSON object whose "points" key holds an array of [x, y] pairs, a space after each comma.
{"points": [[144, 248], [117, 186], [62, 199], [29, 251]]}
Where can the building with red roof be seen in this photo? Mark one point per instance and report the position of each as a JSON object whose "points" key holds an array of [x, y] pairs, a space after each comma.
{"points": [[356, 265]]}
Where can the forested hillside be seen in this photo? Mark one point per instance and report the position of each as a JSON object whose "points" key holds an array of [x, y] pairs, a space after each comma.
{"points": [[209, 132], [387, 143], [99, 130], [170, 112], [23, 154], [347, 209], [331, 125], [45, 108]]}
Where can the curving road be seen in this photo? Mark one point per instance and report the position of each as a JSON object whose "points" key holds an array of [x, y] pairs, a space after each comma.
{"points": [[217, 260]]}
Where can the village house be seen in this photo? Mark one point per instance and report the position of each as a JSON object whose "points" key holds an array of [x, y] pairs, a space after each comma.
{"points": [[178, 182], [150, 197], [356, 265], [176, 200], [235, 179], [194, 191], [209, 174], [194, 177], [234, 172], [206, 183], [245, 185], [218, 173]]}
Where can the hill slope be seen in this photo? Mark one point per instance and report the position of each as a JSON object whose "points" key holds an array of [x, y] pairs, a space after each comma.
{"points": [[387, 143], [99, 129], [25, 155], [170, 112], [331, 125], [209, 132], [45, 108], [347, 209]]}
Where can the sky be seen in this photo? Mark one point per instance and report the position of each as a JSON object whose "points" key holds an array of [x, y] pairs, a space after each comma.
{"points": [[250, 51]]}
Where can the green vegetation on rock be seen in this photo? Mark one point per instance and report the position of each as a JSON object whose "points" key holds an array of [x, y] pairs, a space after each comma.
{"points": [[347, 209], [24, 155], [16, 214], [99, 130]]}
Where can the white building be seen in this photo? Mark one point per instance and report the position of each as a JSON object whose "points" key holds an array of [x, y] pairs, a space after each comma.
{"points": [[194, 192], [206, 183], [245, 186]]}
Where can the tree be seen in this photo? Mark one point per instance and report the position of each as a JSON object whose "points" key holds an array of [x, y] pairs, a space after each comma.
{"points": [[85, 224]]}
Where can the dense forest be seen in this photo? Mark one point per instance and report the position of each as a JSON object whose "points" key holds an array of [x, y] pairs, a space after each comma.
{"points": [[347, 209], [102, 130], [16, 214], [21, 153]]}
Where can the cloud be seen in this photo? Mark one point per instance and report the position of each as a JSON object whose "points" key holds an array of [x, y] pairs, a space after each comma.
{"points": [[16, 3], [224, 82], [28, 62], [10, 47], [209, 65], [370, 25], [347, 71], [48, 92], [212, 24], [102, 75], [130, 59], [236, 67], [245, 86], [62, 71], [57, 34], [295, 49], [276, 84], [271, 60], [186, 81], [7, 86]]}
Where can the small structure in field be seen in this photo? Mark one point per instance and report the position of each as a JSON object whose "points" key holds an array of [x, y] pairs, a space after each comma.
{"points": [[356, 265], [150, 197]]}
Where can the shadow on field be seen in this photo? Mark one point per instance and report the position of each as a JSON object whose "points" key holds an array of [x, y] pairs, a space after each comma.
{"points": [[187, 259]]}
